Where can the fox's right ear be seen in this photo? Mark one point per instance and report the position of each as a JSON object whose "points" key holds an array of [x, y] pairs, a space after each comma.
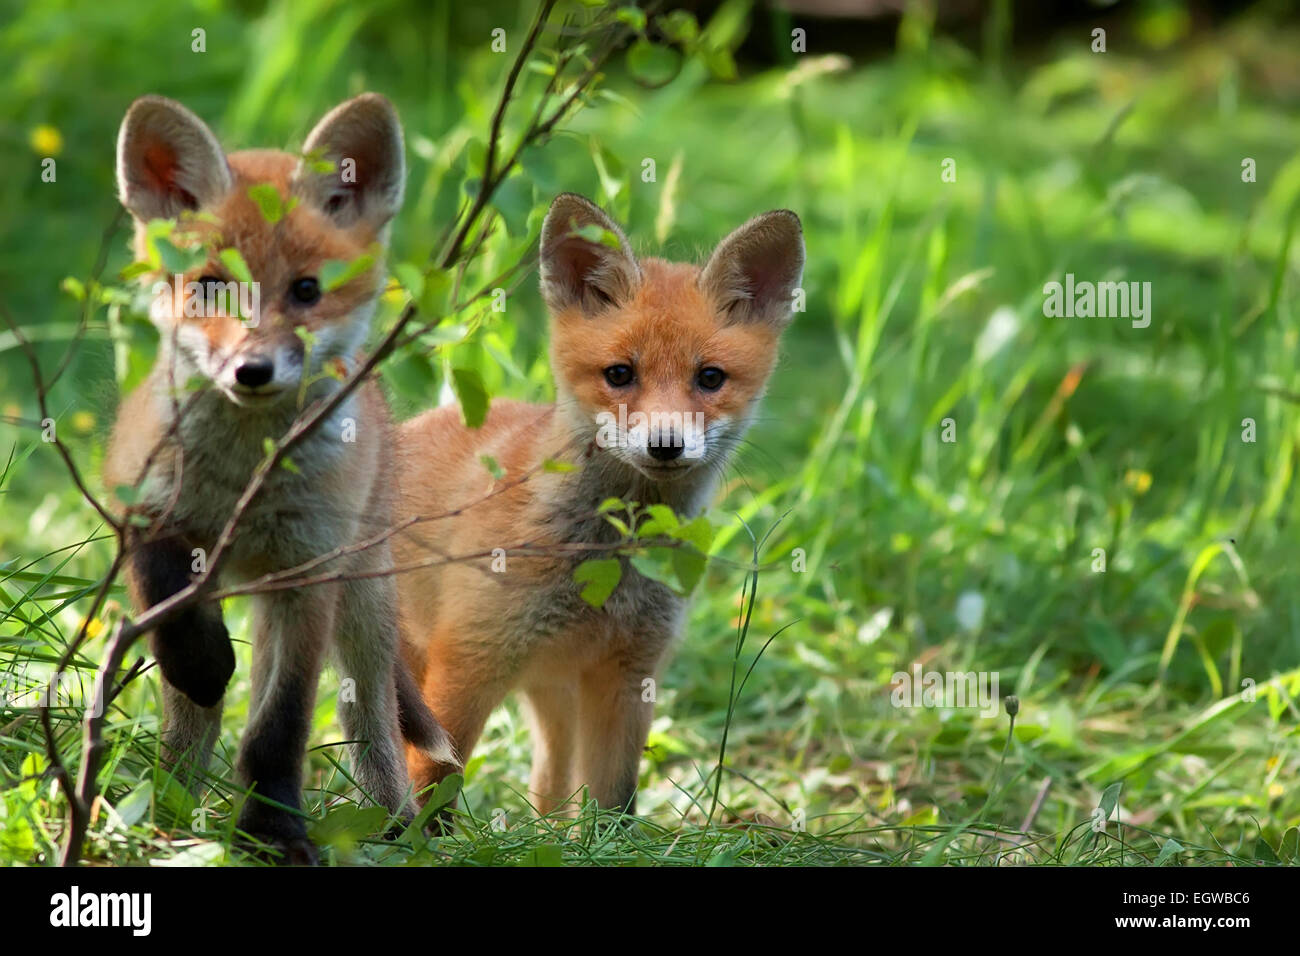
{"points": [[755, 272], [590, 271], [167, 160], [362, 140]]}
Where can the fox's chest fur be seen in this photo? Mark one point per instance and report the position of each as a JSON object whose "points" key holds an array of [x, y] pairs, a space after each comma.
{"points": [[642, 615], [298, 514]]}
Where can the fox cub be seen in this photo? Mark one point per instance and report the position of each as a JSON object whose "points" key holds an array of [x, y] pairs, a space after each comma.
{"points": [[678, 343], [193, 454]]}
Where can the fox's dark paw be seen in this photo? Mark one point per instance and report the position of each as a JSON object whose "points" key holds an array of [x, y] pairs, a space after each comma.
{"points": [[276, 836], [401, 823], [196, 657], [299, 852], [282, 851]]}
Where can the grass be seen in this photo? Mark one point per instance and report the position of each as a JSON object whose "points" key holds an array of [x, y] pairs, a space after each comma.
{"points": [[925, 304]]}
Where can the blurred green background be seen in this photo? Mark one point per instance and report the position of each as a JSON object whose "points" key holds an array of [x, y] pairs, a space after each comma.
{"points": [[925, 303]]}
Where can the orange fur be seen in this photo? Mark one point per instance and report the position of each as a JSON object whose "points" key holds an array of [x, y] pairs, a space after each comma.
{"points": [[475, 632]]}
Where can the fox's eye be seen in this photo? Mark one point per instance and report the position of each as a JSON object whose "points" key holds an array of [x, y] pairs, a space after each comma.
{"points": [[619, 375], [206, 281], [305, 291], [710, 379]]}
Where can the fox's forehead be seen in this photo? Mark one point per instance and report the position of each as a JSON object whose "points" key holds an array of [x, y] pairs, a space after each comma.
{"points": [[669, 320], [668, 314], [302, 237], [264, 166]]}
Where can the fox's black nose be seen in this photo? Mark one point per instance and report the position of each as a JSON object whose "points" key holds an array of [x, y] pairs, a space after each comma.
{"points": [[254, 371], [667, 448]]}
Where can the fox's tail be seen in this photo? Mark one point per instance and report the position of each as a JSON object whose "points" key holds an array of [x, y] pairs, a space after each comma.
{"points": [[418, 724]]}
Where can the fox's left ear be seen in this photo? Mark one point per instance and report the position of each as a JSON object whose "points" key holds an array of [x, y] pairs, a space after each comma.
{"points": [[168, 161], [755, 271], [363, 139]]}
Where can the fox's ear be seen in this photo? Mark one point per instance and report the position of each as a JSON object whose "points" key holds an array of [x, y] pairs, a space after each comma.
{"points": [[167, 160], [363, 139], [589, 271], [754, 272]]}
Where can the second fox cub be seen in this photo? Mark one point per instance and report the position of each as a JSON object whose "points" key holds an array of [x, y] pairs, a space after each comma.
{"points": [[190, 460], [679, 343]]}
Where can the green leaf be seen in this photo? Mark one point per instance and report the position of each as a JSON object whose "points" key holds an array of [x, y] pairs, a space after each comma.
{"points": [[652, 64], [412, 375], [345, 825], [698, 532], [411, 279], [174, 260], [679, 569], [433, 297], [1289, 849], [137, 268], [315, 161], [660, 564], [494, 469], [234, 262], [689, 566], [268, 201], [155, 230], [632, 16], [441, 795], [472, 395], [662, 521], [444, 792], [1264, 853], [1169, 849], [514, 200], [287, 464], [680, 26], [135, 804], [127, 494], [720, 63], [611, 504], [76, 288], [601, 576], [1110, 798], [449, 333], [548, 854], [594, 233], [558, 467], [334, 273]]}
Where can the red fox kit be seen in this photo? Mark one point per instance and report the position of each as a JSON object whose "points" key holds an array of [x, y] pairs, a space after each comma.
{"points": [[255, 372], [677, 343]]}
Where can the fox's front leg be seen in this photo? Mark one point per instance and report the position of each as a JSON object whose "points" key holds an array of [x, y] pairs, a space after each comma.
{"points": [[551, 707], [291, 629], [193, 651], [367, 649], [614, 713]]}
